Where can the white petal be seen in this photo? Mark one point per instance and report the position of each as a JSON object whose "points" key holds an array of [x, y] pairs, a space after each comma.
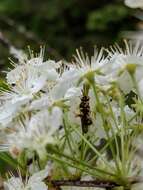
{"points": [[8, 112], [14, 75], [39, 176], [72, 92], [40, 103], [55, 118]]}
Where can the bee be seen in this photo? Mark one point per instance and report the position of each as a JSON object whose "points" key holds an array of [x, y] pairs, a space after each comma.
{"points": [[85, 116]]}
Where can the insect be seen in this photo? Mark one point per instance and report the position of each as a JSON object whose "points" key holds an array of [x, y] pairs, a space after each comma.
{"points": [[85, 113]]}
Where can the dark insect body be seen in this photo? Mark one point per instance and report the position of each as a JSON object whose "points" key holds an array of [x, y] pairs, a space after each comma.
{"points": [[85, 113]]}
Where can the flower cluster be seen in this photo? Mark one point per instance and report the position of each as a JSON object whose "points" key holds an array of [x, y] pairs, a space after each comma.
{"points": [[73, 121]]}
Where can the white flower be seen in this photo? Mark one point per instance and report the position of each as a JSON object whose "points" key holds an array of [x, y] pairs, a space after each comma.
{"points": [[30, 81], [36, 133], [87, 67], [76, 72], [31, 76], [134, 3], [123, 64], [26, 80], [34, 182], [96, 62]]}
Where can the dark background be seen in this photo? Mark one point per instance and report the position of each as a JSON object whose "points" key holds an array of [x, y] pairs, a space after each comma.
{"points": [[63, 25]]}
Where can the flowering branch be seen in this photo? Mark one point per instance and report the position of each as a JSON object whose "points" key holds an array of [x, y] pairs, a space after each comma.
{"points": [[78, 183], [41, 131], [93, 183]]}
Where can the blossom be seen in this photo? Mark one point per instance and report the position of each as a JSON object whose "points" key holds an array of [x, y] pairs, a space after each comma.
{"points": [[82, 69], [85, 64], [87, 67], [34, 182], [123, 64], [44, 107], [28, 78], [25, 81], [35, 134]]}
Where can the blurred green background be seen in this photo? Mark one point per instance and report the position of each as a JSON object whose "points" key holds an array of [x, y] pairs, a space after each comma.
{"points": [[62, 25]]}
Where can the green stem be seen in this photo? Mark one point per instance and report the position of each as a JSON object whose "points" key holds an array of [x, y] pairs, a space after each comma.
{"points": [[71, 165], [82, 163], [67, 133], [104, 123]]}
